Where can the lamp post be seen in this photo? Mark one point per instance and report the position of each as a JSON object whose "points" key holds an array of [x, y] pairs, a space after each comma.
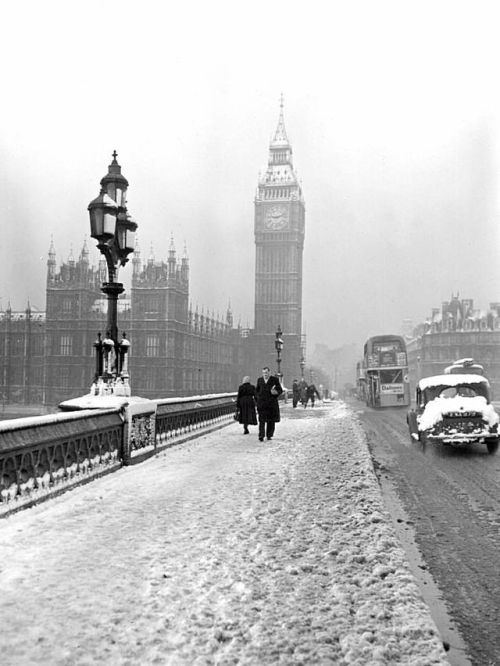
{"points": [[278, 343], [114, 230], [302, 366]]}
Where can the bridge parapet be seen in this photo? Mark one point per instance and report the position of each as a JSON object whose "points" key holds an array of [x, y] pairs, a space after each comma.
{"points": [[43, 456]]}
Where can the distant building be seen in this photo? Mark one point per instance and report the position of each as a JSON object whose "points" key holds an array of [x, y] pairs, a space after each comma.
{"points": [[174, 350], [454, 331], [22, 356]]}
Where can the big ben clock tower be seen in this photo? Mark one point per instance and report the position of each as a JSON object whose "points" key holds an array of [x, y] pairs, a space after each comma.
{"points": [[279, 243]]}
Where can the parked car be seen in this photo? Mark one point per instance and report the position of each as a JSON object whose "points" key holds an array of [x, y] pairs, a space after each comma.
{"points": [[455, 410], [464, 366]]}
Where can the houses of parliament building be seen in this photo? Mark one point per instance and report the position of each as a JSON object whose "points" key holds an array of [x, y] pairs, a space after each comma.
{"points": [[46, 357]]}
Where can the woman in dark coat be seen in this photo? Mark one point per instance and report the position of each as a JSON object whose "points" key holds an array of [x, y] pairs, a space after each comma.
{"points": [[245, 403]]}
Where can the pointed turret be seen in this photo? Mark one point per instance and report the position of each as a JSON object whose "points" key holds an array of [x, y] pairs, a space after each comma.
{"points": [[171, 256], [280, 150], [185, 264], [151, 258], [51, 262], [136, 261], [280, 181], [280, 137], [84, 254]]}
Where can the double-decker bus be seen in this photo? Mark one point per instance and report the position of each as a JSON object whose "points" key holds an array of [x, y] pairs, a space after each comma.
{"points": [[386, 371]]}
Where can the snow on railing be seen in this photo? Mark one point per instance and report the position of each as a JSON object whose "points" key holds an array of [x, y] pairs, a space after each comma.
{"points": [[43, 456]]}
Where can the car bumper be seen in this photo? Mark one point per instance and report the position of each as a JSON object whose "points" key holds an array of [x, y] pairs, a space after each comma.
{"points": [[460, 439]]}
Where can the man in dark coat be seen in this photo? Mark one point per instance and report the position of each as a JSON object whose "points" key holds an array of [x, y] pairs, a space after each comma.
{"points": [[267, 391], [311, 391], [303, 391], [295, 393]]}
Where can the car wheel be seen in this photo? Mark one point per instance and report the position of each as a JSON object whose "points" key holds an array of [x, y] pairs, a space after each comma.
{"points": [[492, 445]]}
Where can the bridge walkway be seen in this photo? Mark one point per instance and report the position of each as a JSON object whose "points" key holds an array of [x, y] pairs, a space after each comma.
{"points": [[221, 550]]}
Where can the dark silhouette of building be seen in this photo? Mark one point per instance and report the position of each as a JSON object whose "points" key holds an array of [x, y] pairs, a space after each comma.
{"points": [[22, 356], [75, 312], [178, 351]]}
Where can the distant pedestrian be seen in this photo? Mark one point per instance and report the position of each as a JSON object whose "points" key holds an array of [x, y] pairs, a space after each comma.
{"points": [[310, 393], [267, 391], [303, 391], [295, 393], [245, 404]]}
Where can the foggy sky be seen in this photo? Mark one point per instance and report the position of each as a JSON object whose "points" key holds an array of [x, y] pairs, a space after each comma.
{"points": [[392, 110]]}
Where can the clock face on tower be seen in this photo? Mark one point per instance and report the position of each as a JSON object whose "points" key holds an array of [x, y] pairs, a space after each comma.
{"points": [[276, 218]]}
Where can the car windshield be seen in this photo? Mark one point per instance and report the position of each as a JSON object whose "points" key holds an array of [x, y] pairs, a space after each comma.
{"points": [[460, 390], [453, 391]]}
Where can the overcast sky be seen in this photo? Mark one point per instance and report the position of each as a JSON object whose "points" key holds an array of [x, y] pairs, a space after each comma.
{"points": [[392, 109]]}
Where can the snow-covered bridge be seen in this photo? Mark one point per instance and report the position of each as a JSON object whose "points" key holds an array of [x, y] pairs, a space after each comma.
{"points": [[221, 550]]}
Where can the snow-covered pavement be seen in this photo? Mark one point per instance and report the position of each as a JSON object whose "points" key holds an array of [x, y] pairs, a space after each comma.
{"points": [[222, 550]]}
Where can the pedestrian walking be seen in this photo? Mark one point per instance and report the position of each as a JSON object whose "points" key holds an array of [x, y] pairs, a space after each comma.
{"points": [[245, 405], [295, 393], [267, 391], [311, 391], [303, 391]]}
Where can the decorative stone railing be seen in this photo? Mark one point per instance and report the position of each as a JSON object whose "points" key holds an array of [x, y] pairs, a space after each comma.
{"points": [[173, 420], [45, 455]]}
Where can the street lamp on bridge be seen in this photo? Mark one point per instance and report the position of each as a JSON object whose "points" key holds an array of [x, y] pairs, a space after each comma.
{"points": [[114, 230], [278, 343], [302, 366]]}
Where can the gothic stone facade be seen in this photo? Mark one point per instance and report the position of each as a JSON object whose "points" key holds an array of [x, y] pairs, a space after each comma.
{"points": [[49, 357]]}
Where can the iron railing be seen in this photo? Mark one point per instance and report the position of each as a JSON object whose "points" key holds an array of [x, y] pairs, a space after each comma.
{"points": [[45, 455]]}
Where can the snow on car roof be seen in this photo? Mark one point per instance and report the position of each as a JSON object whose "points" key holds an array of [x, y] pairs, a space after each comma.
{"points": [[451, 380]]}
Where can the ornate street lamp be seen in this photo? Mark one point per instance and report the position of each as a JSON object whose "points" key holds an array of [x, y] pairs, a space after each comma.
{"points": [[114, 230], [278, 343], [302, 366]]}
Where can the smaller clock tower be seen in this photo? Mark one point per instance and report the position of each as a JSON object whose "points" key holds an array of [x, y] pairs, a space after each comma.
{"points": [[279, 242]]}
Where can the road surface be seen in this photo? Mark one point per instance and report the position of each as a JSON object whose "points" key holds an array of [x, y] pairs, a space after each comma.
{"points": [[450, 500]]}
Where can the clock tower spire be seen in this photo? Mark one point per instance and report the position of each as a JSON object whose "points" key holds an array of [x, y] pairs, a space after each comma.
{"points": [[279, 241]]}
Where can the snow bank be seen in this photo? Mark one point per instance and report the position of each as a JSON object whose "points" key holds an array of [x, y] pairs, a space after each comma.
{"points": [[223, 550]]}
